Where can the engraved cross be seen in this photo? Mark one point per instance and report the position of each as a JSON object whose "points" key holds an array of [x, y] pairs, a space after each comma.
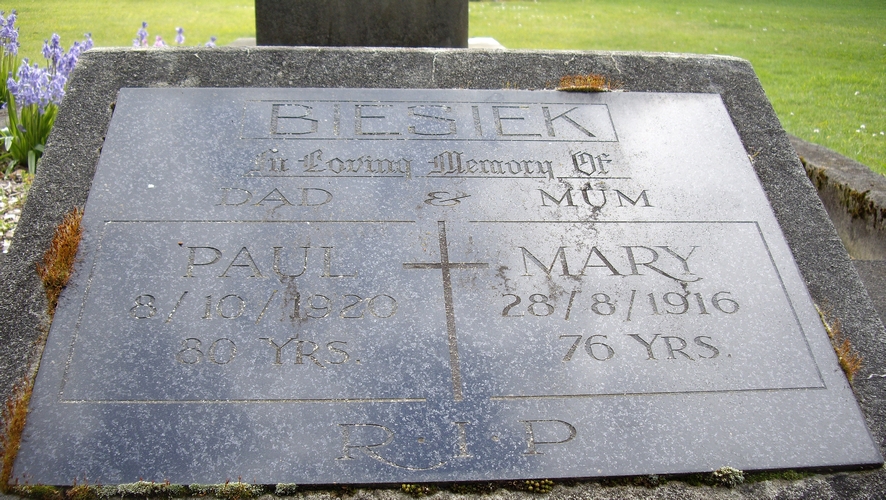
{"points": [[445, 266]]}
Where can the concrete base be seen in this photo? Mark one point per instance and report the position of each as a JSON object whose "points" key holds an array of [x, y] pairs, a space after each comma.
{"points": [[853, 195], [855, 199], [873, 273]]}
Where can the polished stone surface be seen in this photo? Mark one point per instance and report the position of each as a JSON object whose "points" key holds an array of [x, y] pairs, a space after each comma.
{"points": [[336, 285]]}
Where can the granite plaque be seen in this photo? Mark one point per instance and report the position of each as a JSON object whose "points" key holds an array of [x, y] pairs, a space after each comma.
{"points": [[367, 286]]}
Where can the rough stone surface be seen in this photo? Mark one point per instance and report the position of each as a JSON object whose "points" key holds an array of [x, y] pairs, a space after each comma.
{"points": [[362, 23], [855, 198], [873, 274], [853, 195], [74, 147]]}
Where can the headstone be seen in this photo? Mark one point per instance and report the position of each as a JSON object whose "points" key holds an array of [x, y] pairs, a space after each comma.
{"points": [[379, 23], [376, 285]]}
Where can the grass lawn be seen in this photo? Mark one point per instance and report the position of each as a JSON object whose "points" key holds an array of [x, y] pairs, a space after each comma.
{"points": [[822, 63], [114, 23]]}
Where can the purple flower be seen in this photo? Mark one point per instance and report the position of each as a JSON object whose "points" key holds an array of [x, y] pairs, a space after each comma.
{"points": [[141, 36], [158, 42], [56, 89], [37, 86], [211, 42], [32, 87], [53, 52], [9, 34], [11, 84], [61, 63], [68, 61], [180, 35]]}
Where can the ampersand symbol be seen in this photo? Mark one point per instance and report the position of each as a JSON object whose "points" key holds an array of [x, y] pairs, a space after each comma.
{"points": [[445, 198]]}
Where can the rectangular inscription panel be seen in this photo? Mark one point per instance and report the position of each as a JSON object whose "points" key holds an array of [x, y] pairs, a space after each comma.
{"points": [[320, 286]]}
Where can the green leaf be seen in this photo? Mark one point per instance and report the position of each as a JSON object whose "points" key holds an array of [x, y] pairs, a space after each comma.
{"points": [[32, 162], [7, 138]]}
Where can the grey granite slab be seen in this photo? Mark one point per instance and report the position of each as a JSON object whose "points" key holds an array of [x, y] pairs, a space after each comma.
{"points": [[368, 286]]}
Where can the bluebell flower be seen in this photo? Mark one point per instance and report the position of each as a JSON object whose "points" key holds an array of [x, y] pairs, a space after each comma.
{"points": [[69, 60], [158, 42], [211, 42], [35, 91], [45, 86], [9, 34], [26, 89], [56, 89], [180, 35], [53, 52], [11, 84], [141, 36], [36, 86]]}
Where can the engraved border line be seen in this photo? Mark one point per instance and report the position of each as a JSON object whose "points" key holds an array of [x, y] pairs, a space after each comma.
{"points": [[78, 324], [242, 401], [662, 393], [257, 221], [614, 221], [407, 139], [790, 302], [337, 176]]}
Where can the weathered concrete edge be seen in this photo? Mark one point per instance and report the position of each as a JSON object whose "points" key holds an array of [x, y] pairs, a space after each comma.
{"points": [[75, 144], [853, 195]]}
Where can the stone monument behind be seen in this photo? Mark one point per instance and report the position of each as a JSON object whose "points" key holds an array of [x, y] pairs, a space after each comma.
{"points": [[379, 23]]}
